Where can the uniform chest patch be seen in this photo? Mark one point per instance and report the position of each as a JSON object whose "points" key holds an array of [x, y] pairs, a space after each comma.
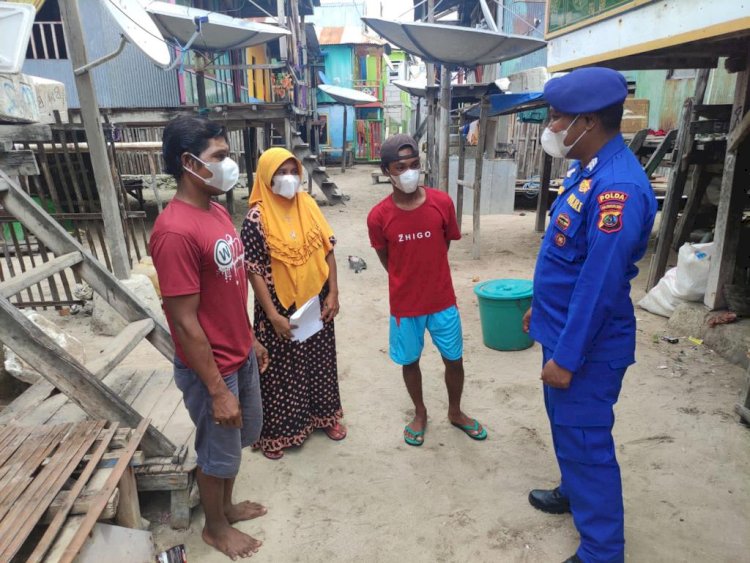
{"points": [[563, 221], [612, 197], [560, 239], [584, 186], [575, 203]]}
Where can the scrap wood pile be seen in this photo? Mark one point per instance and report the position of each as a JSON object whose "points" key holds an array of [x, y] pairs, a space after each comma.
{"points": [[57, 481]]}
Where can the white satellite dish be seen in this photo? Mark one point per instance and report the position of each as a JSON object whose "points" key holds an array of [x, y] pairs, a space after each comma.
{"points": [[416, 88], [139, 29], [347, 96], [218, 32], [16, 21], [454, 45]]}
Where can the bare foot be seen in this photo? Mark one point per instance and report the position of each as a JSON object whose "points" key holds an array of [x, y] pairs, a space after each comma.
{"points": [[231, 542], [244, 510], [417, 425]]}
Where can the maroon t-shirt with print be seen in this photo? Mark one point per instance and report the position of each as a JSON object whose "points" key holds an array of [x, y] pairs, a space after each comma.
{"points": [[198, 251]]}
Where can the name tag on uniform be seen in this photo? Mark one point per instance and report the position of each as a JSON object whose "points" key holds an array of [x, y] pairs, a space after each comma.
{"points": [[575, 203]]}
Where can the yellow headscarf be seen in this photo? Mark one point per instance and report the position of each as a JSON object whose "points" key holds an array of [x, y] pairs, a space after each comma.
{"points": [[297, 234]]}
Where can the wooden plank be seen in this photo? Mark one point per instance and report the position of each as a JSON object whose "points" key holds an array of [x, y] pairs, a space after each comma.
{"points": [[658, 155], [18, 163], [57, 522], [12, 440], [122, 345], [128, 509], [169, 401], [21, 520], [698, 185], [101, 500], [543, 197], [39, 273], [479, 162], [731, 201], [66, 534], [54, 236], [461, 170], [162, 481], [636, 143], [738, 133], [32, 132], [68, 375], [151, 393], [82, 503]]}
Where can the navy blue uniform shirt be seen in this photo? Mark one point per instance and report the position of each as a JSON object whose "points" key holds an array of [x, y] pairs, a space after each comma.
{"points": [[599, 228]]}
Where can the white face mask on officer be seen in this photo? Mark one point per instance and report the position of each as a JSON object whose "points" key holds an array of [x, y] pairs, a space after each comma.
{"points": [[408, 181], [554, 143], [285, 185], [224, 174]]}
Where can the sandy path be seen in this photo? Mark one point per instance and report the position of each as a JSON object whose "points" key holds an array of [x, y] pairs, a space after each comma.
{"points": [[685, 459]]}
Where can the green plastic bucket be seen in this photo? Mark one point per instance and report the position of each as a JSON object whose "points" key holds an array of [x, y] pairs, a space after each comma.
{"points": [[502, 304]]}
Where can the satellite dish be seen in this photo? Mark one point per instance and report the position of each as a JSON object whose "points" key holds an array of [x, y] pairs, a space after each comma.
{"points": [[16, 21], [139, 29], [347, 96], [416, 88], [454, 45], [218, 32]]}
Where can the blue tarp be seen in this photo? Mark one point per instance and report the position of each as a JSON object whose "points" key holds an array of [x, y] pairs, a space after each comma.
{"points": [[502, 104]]}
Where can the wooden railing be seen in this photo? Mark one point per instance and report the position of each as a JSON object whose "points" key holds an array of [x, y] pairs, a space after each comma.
{"points": [[47, 41]]}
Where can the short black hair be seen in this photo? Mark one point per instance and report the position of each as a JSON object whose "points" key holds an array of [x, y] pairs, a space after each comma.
{"points": [[611, 117], [187, 133]]}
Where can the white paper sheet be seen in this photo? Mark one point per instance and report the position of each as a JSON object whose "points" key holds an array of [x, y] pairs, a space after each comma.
{"points": [[307, 320]]}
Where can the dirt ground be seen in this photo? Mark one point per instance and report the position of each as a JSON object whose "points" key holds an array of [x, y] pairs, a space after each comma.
{"points": [[685, 458]]}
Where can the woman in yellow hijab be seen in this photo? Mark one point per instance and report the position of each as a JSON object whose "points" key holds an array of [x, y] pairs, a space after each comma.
{"points": [[290, 263]]}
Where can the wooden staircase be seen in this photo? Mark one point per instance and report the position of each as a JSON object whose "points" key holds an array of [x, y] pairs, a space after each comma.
{"points": [[316, 172]]}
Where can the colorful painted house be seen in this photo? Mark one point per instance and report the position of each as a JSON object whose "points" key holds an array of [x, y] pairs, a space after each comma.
{"points": [[353, 59]]}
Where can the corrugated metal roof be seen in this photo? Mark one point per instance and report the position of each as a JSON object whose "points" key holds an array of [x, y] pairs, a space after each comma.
{"points": [[347, 35]]}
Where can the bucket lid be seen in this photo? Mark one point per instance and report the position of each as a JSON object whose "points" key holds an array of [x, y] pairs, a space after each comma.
{"points": [[504, 290]]}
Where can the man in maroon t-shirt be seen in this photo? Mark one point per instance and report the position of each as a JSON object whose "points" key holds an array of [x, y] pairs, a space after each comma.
{"points": [[199, 261], [411, 231]]}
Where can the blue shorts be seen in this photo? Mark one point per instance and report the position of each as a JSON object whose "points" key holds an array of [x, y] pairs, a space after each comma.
{"points": [[218, 448], [407, 336]]}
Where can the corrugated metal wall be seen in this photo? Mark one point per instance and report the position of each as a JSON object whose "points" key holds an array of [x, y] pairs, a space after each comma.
{"points": [[519, 19], [666, 95], [129, 80]]}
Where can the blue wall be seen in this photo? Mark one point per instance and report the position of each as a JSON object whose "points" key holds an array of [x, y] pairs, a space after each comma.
{"points": [[335, 113], [129, 80]]}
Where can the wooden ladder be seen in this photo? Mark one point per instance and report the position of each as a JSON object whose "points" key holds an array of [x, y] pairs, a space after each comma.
{"points": [[82, 384]]}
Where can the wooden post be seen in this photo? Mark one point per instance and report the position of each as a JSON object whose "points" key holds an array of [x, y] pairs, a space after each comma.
{"points": [[430, 177], [343, 143], [281, 15], [111, 212], [542, 200], [698, 185], [481, 146], [445, 120], [128, 509], [676, 184], [461, 170], [731, 202]]}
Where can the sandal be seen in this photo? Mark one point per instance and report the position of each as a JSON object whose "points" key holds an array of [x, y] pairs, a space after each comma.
{"points": [[336, 432], [413, 437], [469, 428], [273, 454]]}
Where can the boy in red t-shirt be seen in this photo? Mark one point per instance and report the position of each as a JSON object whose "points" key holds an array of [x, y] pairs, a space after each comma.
{"points": [[411, 231], [199, 260]]}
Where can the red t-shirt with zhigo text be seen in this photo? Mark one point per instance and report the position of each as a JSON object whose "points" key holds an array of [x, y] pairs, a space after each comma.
{"points": [[198, 251], [419, 276]]}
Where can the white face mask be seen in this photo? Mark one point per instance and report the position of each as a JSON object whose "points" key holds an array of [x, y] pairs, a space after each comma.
{"points": [[554, 143], [408, 181], [285, 185], [224, 174]]}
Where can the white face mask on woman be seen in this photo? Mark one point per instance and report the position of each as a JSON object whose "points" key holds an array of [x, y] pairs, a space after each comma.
{"points": [[285, 185], [554, 143], [408, 181], [224, 174]]}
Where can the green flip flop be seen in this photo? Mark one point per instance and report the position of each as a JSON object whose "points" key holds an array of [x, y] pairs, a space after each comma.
{"points": [[469, 428], [416, 434]]}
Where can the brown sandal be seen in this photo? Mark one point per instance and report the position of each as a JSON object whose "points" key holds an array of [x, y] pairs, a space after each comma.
{"points": [[273, 454]]}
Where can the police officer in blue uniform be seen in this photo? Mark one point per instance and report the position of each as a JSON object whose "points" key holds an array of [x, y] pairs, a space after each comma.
{"points": [[581, 312]]}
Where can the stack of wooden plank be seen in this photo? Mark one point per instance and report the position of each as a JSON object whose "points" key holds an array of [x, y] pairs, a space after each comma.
{"points": [[49, 472]]}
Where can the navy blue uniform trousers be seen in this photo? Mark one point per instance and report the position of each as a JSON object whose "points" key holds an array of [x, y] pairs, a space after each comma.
{"points": [[581, 418]]}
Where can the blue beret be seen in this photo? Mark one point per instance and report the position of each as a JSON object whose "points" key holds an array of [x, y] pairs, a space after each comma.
{"points": [[586, 90]]}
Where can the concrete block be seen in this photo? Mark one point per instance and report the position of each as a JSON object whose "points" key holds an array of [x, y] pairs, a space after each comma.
{"points": [[105, 320], [18, 101], [22, 371], [50, 96]]}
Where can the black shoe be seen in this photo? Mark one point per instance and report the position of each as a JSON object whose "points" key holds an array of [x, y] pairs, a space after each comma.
{"points": [[573, 559], [550, 501]]}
